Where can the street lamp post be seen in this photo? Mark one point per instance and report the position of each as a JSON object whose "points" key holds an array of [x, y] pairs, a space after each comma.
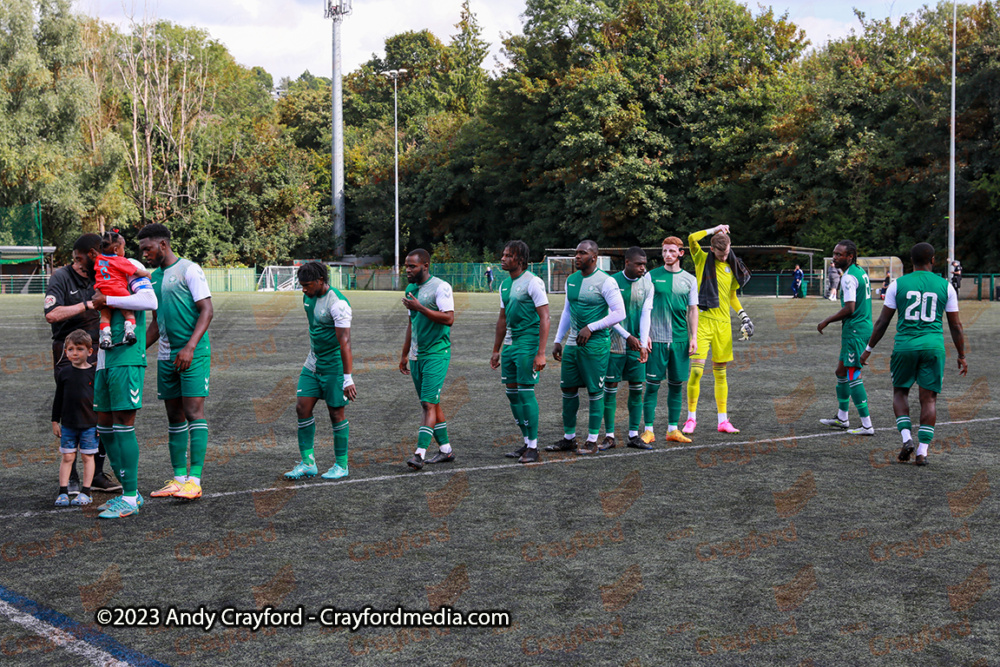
{"points": [[394, 75], [337, 10], [951, 171]]}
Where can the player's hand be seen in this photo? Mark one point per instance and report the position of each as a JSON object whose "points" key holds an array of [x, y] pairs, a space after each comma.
{"points": [[539, 364], [403, 361], [721, 228], [495, 360], [692, 348], [633, 344], [963, 366], [411, 303], [183, 359], [350, 390], [583, 336], [643, 355], [821, 326], [864, 357], [557, 351], [746, 329], [98, 301], [57, 429]]}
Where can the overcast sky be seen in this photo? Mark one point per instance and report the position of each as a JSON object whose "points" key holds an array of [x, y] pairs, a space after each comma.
{"points": [[287, 37]]}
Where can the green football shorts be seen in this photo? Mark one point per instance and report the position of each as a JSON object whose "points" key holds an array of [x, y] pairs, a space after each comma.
{"points": [[925, 367], [625, 367], [190, 383], [328, 386], [669, 360], [118, 389], [428, 377], [585, 366], [517, 364]]}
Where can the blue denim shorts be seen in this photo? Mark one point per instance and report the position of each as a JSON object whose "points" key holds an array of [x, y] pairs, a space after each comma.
{"points": [[84, 439]]}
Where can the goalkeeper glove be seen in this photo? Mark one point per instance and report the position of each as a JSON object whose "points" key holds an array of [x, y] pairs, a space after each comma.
{"points": [[746, 330]]}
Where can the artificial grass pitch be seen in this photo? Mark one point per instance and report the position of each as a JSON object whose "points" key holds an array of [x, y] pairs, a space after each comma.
{"points": [[788, 543]]}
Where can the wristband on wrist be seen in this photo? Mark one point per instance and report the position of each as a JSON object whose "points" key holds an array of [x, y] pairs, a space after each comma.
{"points": [[868, 348], [348, 380], [961, 356]]}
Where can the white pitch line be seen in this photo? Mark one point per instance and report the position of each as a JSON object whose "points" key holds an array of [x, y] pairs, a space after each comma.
{"points": [[60, 638], [450, 471]]}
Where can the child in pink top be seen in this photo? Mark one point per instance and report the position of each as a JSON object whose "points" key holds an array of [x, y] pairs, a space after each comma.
{"points": [[112, 274]]}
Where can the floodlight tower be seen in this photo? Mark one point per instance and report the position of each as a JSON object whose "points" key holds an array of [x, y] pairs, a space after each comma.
{"points": [[394, 74], [951, 163], [337, 10]]}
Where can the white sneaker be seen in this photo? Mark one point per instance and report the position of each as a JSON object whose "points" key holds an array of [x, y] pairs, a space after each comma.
{"points": [[835, 422], [864, 430]]}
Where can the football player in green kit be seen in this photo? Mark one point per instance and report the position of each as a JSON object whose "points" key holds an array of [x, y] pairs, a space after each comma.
{"points": [[923, 298], [856, 315], [431, 307], [183, 357], [673, 334], [629, 349], [326, 373], [593, 305], [522, 331]]}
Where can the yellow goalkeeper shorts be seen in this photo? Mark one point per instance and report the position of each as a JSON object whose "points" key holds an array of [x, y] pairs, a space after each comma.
{"points": [[717, 335]]}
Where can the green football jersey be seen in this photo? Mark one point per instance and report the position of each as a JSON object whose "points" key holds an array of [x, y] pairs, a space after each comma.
{"points": [[921, 299], [177, 288], [325, 315], [124, 355], [587, 303], [429, 339], [634, 294], [520, 300], [855, 286], [672, 294]]}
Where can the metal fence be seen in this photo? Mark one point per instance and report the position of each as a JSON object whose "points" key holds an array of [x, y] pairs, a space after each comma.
{"points": [[463, 277]]}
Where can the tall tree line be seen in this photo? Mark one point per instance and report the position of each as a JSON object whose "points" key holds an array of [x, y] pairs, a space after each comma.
{"points": [[618, 120]]}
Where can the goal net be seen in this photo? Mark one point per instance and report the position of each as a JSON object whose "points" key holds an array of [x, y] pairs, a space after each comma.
{"points": [[279, 279], [561, 268]]}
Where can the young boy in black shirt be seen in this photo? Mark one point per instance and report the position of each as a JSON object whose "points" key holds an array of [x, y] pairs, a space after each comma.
{"points": [[73, 418]]}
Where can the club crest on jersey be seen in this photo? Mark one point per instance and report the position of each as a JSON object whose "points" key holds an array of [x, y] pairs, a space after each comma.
{"points": [[172, 279]]}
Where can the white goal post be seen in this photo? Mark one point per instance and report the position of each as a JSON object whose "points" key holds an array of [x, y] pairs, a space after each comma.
{"points": [[279, 279], [558, 269]]}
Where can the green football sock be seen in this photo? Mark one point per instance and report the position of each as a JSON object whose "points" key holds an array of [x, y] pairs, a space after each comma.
{"points": [[198, 430], [634, 406], [307, 440], [859, 396], [128, 450], [517, 409], [596, 413], [610, 408], [341, 431], [529, 410], [925, 434], [571, 404], [649, 403], [107, 434], [177, 442], [675, 401], [441, 433], [843, 394], [424, 437]]}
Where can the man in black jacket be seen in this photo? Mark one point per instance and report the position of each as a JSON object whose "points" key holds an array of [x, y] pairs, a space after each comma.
{"points": [[68, 307]]}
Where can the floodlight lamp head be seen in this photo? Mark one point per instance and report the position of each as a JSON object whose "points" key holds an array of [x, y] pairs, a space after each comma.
{"points": [[337, 8]]}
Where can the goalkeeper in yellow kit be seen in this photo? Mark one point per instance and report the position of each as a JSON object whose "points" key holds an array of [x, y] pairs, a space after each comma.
{"points": [[720, 273]]}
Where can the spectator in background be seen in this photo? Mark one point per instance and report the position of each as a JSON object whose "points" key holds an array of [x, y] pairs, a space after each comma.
{"points": [[885, 285], [797, 277], [956, 275], [68, 307], [832, 281], [489, 277]]}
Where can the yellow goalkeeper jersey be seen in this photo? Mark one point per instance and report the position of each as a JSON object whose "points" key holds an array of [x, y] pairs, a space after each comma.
{"points": [[724, 278]]}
